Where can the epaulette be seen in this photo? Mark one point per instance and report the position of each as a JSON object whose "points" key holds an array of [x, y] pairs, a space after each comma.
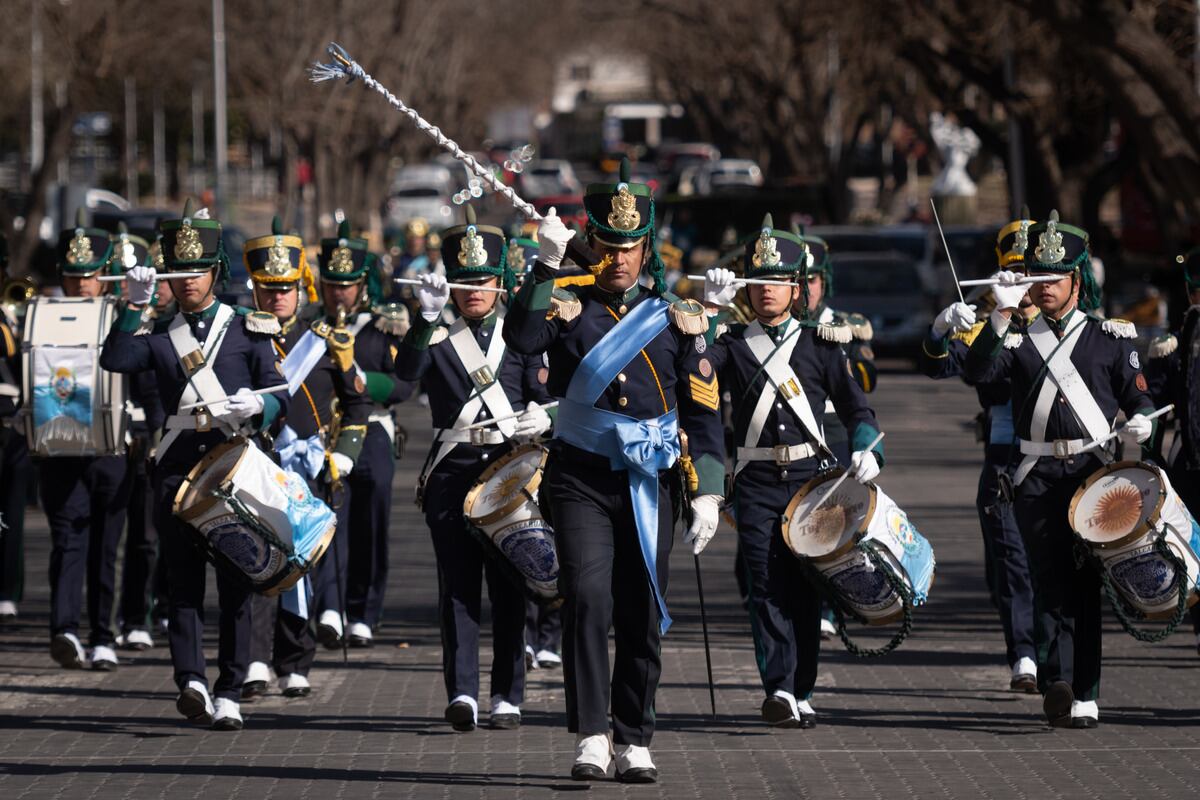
{"points": [[838, 332], [968, 336], [1119, 328], [392, 319], [1163, 346], [440, 334], [564, 305], [689, 317], [1013, 340], [860, 327], [261, 322]]}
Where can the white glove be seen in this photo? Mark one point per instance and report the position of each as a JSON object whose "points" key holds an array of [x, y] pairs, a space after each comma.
{"points": [[552, 236], [533, 422], [1009, 293], [720, 286], [864, 466], [343, 463], [958, 317], [139, 285], [242, 406], [706, 510], [432, 294], [1140, 426]]}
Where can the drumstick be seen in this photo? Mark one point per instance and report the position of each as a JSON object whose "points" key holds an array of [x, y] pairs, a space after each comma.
{"points": [[841, 478], [467, 286], [282, 387], [159, 276], [949, 260], [753, 281], [514, 415], [1025, 280], [1152, 415]]}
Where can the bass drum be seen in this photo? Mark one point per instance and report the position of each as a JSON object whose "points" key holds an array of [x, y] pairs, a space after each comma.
{"points": [[502, 505], [71, 406]]}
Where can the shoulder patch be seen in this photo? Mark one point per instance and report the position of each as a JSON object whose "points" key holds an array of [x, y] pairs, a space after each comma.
{"points": [[1013, 340], [689, 317], [440, 334], [860, 327], [835, 332], [392, 319], [564, 305], [1163, 346], [1119, 328], [968, 337], [261, 322]]}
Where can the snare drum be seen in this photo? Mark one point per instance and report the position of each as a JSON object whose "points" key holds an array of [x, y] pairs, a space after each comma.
{"points": [[71, 406], [1122, 512], [503, 505], [257, 521], [843, 538]]}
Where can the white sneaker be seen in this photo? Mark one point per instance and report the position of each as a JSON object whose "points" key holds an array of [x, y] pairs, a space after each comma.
{"points": [[1085, 714], [1024, 676], [593, 755], [634, 764], [294, 685], [548, 659], [828, 629], [195, 704], [227, 715], [104, 658], [8, 610], [505, 716], [360, 634], [329, 629], [136, 639], [66, 649], [531, 661]]}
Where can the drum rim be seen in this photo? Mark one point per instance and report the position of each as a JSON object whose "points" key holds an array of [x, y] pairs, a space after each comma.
{"points": [[526, 494], [296, 573], [1138, 532], [202, 505], [803, 492]]}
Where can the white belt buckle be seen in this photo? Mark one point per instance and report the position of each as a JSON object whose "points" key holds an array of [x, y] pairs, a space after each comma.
{"points": [[783, 455], [1062, 448]]}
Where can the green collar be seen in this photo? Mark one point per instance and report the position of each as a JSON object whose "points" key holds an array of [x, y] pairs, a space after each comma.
{"points": [[615, 299], [776, 331], [1060, 325], [486, 323], [205, 314]]}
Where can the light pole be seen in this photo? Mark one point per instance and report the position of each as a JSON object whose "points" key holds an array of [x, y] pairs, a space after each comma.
{"points": [[220, 138]]}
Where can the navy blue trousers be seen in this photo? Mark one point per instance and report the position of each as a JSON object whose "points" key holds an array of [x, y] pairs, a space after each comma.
{"points": [[1008, 565], [15, 469], [370, 514]]}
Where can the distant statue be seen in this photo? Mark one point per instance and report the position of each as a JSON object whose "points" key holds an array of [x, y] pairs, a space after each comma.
{"points": [[958, 144]]}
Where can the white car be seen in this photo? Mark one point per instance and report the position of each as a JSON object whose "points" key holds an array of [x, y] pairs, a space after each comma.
{"points": [[727, 173], [421, 190]]}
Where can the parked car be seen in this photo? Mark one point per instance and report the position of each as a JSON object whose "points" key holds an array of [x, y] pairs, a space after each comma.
{"points": [[568, 207], [892, 291], [727, 173], [553, 176], [421, 190]]}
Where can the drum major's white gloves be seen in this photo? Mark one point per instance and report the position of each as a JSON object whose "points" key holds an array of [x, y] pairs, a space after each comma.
{"points": [[343, 463], [720, 286], [139, 285], [243, 405], [864, 466], [1140, 426], [706, 511], [552, 236], [534, 421], [432, 294], [958, 317]]}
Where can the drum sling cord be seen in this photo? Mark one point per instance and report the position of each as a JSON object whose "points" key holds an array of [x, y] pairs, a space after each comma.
{"points": [[246, 517], [1126, 614], [841, 610]]}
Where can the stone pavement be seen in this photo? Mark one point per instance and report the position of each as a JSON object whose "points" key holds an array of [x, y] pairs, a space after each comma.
{"points": [[933, 719]]}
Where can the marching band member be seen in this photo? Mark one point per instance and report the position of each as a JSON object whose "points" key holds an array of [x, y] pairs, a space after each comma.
{"points": [[942, 355], [780, 372], [313, 443], [84, 497], [1070, 374], [349, 284], [630, 368], [15, 464], [1173, 364], [214, 354], [470, 375]]}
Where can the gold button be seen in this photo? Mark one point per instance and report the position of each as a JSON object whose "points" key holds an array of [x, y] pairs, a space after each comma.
{"points": [[621, 377], [624, 401], [623, 308]]}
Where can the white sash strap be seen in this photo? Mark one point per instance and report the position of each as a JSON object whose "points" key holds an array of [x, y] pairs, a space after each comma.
{"points": [[202, 383]]}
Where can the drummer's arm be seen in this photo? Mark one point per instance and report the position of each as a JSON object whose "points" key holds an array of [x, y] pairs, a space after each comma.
{"points": [[849, 401], [988, 360], [263, 374], [413, 359], [529, 327], [1129, 387], [698, 400], [123, 351]]}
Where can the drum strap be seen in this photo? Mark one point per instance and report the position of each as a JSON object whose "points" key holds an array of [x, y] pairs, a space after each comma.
{"points": [[1061, 376], [196, 361], [483, 370], [782, 380]]}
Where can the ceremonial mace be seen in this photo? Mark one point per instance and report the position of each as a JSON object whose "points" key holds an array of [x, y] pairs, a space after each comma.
{"points": [[343, 66]]}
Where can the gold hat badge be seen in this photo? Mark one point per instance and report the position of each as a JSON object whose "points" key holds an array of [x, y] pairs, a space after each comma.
{"points": [[471, 252], [516, 255], [1050, 248], [342, 260], [79, 250], [279, 262], [766, 251], [1021, 240], [624, 215], [187, 243]]}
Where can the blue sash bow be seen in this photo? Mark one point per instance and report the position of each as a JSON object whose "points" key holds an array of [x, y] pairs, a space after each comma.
{"points": [[641, 447], [302, 456]]}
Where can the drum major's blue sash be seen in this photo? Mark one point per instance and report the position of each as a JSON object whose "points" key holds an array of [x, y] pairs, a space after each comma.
{"points": [[641, 447]]}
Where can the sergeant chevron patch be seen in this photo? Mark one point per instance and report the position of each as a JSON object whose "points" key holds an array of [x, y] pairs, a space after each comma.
{"points": [[704, 392]]}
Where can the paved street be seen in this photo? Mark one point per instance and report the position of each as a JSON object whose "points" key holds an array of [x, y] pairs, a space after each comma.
{"points": [[933, 719]]}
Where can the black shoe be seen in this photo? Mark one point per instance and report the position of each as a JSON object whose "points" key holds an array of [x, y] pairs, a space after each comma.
{"points": [[777, 713], [638, 775], [66, 652], [1024, 683], [1057, 704], [329, 637], [808, 721], [460, 716], [587, 772], [1084, 723], [252, 690], [504, 722], [192, 705]]}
